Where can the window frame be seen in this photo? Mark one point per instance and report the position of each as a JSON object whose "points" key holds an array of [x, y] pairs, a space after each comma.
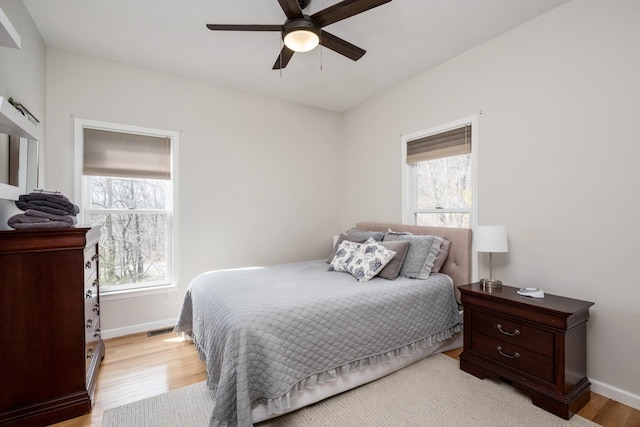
{"points": [[409, 204], [82, 195], [409, 181]]}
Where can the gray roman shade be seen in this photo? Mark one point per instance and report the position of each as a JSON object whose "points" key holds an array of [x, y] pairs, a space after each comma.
{"points": [[108, 153], [444, 144]]}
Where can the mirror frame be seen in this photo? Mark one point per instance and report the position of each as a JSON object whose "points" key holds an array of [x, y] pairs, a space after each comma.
{"points": [[16, 125]]}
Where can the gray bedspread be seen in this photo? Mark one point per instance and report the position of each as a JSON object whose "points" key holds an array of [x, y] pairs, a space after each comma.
{"points": [[262, 331]]}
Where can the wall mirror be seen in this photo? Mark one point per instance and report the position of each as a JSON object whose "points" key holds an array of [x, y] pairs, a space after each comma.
{"points": [[18, 152]]}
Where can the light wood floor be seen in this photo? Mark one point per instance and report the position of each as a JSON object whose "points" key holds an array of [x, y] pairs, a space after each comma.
{"points": [[138, 366]]}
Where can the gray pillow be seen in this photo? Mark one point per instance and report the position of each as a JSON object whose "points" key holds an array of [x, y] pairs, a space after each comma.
{"points": [[442, 256], [421, 255], [392, 269], [357, 236]]}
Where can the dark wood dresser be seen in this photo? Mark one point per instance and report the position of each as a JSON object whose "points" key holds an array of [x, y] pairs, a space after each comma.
{"points": [[50, 342], [536, 344]]}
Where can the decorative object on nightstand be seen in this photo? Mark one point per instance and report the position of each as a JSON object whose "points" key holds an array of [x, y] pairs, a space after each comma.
{"points": [[537, 345], [490, 238], [531, 292]]}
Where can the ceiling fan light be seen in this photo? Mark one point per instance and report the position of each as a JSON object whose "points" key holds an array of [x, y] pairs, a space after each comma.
{"points": [[301, 40]]}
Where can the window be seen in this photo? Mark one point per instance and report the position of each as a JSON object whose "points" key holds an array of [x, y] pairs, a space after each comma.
{"points": [[127, 181], [439, 176]]}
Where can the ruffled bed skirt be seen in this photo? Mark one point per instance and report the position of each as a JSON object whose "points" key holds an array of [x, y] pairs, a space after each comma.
{"points": [[279, 405]]}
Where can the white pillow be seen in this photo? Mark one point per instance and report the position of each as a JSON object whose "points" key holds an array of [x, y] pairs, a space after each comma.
{"points": [[370, 258], [345, 253]]}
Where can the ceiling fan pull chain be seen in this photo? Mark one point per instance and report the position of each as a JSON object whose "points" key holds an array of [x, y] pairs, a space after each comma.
{"points": [[320, 57]]}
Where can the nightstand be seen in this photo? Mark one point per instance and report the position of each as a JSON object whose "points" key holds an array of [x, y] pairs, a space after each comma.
{"points": [[538, 345]]}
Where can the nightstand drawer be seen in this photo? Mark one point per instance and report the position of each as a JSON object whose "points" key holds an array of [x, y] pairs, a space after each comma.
{"points": [[521, 358], [513, 333]]}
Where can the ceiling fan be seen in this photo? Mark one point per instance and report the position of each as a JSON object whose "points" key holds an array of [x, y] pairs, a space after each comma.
{"points": [[302, 33]]}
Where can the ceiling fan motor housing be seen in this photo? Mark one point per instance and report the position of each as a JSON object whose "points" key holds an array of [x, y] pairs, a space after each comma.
{"points": [[301, 34], [298, 24]]}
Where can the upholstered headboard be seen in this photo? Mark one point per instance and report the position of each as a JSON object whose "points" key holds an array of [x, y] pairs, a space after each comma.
{"points": [[458, 263]]}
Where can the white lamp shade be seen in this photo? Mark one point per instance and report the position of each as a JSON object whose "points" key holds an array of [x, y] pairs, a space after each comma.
{"points": [[301, 40], [490, 238]]}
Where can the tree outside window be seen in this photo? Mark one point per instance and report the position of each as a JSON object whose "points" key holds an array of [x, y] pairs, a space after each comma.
{"points": [[133, 246], [443, 191]]}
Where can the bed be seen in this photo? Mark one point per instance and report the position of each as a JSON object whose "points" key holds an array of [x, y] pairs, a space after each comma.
{"points": [[277, 338]]}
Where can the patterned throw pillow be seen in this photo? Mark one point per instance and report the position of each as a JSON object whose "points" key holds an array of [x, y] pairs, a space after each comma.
{"points": [[370, 258], [357, 236], [345, 253]]}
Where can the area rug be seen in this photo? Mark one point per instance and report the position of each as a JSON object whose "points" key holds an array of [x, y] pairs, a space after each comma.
{"points": [[431, 392]]}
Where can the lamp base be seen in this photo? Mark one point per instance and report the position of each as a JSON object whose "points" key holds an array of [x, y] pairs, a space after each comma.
{"points": [[491, 284]]}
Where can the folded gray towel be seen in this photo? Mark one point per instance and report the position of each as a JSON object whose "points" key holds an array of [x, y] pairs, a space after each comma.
{"points": [[45, 195], [50, 224], [47, 202], [69, 219], [31, 205], [22, 221]]}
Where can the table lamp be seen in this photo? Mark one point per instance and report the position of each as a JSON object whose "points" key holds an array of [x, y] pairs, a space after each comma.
{"points": [[490, 238]]}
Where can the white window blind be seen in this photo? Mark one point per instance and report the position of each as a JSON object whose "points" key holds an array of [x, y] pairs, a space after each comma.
{"points": [[444, 144], [116, 154]]}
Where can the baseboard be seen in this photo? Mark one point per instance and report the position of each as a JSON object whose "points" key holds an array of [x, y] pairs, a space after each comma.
{"points": [[134, 329], [615, 393]]}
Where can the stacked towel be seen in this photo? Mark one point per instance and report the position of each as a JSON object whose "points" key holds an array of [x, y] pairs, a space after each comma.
{"points": [[44, 210]]}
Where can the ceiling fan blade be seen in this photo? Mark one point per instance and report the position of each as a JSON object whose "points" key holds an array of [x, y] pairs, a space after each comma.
{"points": [[291, 8], [343, 47], [283, 59], [242, 27], [345, 9]]}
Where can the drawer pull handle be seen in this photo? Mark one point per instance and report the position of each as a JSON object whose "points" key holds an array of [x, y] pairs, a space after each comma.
{"points": [[509, 356], [88, 294], [511, 334], [87, 265], [94, 283]]}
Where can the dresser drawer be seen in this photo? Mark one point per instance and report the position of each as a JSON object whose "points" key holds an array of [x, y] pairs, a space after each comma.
{"points": [[90, 292], [91, 309], [91, 284], [524, 359], [512, 332], [90, 263], [90, 354], [92, 336], [90, 278]]}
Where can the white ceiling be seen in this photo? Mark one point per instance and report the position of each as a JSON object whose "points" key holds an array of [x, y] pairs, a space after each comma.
{"points": [[402, 38]]}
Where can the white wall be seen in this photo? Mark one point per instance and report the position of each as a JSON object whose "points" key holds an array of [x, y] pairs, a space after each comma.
{"points": [[559, 147], [558, 152], [256, 175], [22, 75]]}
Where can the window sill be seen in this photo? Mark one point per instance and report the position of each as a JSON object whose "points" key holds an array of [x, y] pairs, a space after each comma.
{"points": [[138, 292]]}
